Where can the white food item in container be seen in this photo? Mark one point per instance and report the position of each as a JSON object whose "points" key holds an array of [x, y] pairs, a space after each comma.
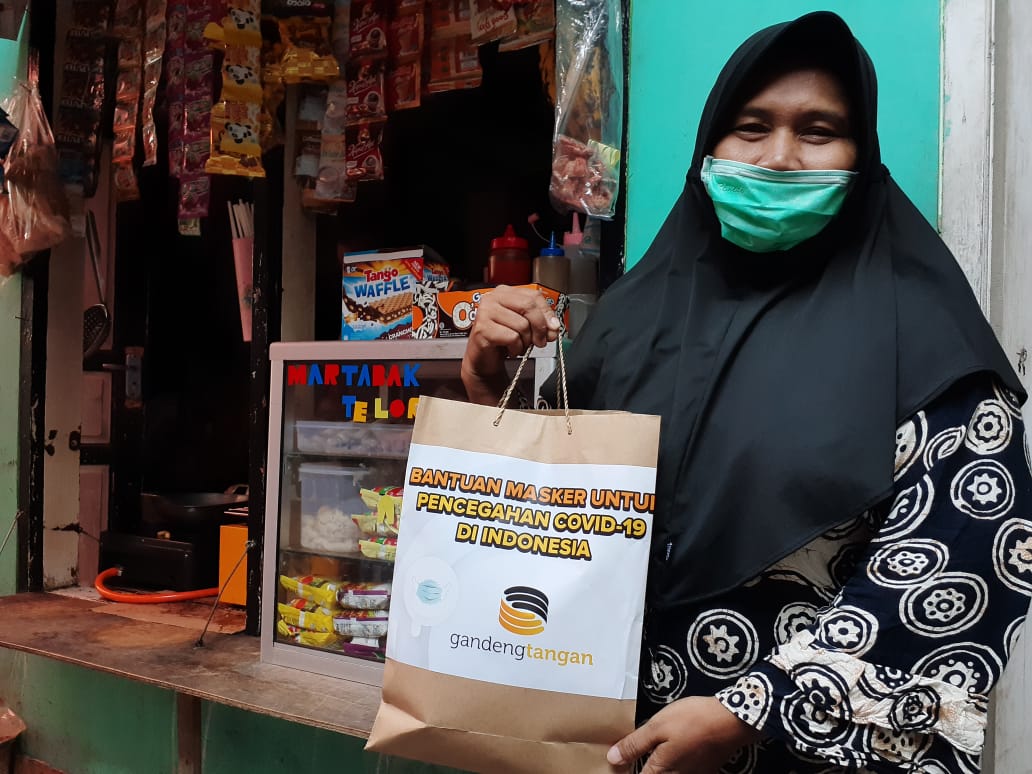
{"points": [[329, 529]]}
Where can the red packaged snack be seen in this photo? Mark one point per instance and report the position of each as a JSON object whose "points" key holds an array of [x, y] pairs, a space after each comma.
{"points": [[454, 63], [449, 18], [405, 37], [535, 23], [368, 28], [400, 7], [366, 96], [364, 160], [403, 90], [489, 22], [194, 196]]}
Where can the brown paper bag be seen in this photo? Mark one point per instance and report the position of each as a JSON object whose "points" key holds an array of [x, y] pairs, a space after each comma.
{"points": [[516, 613]]}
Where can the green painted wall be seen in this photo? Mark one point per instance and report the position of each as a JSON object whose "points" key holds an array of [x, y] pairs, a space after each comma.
{"points": [[83, 721], [679, 46], [86, 722], [10, 309], [12, 58]]}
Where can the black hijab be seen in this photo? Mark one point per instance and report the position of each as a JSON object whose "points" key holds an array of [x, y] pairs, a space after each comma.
{"points": [[780, 377]]}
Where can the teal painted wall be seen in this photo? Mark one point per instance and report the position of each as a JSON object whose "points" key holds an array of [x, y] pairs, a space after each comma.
{"points": [[679, 46], [86, 722]]}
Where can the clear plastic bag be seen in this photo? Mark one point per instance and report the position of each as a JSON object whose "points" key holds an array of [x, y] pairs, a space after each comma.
{"points": [[589, 111], [34, 211]]}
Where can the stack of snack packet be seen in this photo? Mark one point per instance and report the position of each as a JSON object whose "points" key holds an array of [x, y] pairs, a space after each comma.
{"points": [[454, 59], [235, 121], [379, 524], [189, 90], [336, 614]]}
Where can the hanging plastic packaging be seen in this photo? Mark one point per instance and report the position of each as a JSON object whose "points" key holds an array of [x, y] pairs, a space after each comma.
{"points": [[34, 210], [589, 110]]}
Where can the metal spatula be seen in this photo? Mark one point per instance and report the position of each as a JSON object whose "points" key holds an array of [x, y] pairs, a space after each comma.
{"points": [[96, 320]]}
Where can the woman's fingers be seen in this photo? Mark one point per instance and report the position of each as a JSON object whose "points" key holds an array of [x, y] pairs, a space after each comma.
{"points": [[635, 745], [528, 304], [513, 319], [508, 321]]}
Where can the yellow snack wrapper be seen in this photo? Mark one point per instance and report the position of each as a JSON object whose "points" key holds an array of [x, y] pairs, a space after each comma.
{"points": [[374, 549], [313, 622], [242, 23], [235, 140], [241, 74], [309, 606], [322, 591], [312, 639], [371, 524], [309, 56]]}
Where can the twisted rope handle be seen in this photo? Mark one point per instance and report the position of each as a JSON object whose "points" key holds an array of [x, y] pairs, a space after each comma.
{"points": [[562, 397]]}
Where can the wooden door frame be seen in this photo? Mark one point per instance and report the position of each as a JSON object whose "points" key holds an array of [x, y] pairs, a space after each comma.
{"points": [[967, 192]]}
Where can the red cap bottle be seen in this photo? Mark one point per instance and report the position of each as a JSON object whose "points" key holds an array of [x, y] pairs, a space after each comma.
{"points": [[509, 261]]}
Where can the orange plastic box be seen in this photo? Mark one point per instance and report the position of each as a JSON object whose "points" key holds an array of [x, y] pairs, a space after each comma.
{"points": [[232, 539]]}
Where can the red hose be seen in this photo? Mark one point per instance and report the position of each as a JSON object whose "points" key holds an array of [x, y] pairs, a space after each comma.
{"points": [[145, 599]]}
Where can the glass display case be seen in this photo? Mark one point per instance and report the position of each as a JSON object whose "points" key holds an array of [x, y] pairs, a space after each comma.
{"points": [[340, 424]]}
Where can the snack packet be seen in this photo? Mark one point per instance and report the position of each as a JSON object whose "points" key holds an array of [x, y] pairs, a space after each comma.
{"points": [[371, 524], [379, 548], [310, 606], [364, 159], [311, 639], [490, 22], [361, 623], [313, 622], [235, 146], [366, 95], [385, 502], [309, 55], [368, 29], [366, 647], [364, 596], [322, 591]]}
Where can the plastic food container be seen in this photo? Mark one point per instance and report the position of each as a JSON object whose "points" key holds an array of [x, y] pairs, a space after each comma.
{"points": [[329, 497], [334, 437], [347, 438]]}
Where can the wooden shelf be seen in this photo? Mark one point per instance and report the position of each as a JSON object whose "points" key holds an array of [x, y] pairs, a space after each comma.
{"points": [[357, 556]]}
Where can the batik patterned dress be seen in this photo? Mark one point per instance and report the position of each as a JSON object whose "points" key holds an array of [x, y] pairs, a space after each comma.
{"points": [[874, 648]]}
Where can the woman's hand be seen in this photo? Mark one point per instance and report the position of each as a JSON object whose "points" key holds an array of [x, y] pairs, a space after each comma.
{"points": [[508, 321], [695, 735]]}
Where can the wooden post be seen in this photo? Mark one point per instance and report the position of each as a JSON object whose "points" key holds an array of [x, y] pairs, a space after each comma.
{"points": [[188, 734]]}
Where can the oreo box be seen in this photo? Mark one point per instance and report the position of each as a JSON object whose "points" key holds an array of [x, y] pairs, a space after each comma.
{"points": [[378, 289], [456, 310]]}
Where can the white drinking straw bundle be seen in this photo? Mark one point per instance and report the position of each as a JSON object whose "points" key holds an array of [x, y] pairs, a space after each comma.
{"points": [[241, 219], [241, 224]]}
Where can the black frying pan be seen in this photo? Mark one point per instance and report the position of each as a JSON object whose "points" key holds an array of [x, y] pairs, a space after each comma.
{"points": [[191, 509]]}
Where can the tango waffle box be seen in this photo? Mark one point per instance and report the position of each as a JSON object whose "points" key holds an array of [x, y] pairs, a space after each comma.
{"points": [[456, 310], [378, 291]]}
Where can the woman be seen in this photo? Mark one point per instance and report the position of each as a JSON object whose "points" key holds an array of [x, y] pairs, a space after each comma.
{"points": [[841, 562]]}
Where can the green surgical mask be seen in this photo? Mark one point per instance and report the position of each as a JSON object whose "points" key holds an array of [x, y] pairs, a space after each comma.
{"points": [[762, 210]]}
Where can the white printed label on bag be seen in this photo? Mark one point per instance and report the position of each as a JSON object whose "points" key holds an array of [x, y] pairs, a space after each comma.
{"points": [[522, 578]]}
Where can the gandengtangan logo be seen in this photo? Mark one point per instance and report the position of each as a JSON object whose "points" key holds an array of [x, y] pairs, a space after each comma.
{"points": [[524, 611]]}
